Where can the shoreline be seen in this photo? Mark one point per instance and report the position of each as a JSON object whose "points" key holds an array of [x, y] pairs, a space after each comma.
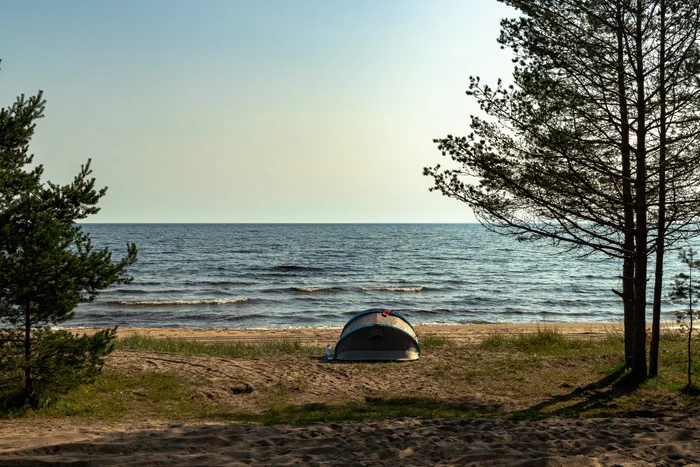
{"points": [[321, 336]]}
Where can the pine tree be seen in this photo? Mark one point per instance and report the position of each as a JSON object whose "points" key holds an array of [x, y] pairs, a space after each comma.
{"points": [[571, 153], [47, 267], [687, 289], [676, 132]]}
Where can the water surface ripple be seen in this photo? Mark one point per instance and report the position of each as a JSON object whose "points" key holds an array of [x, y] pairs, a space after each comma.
{"points": [[285, 275]]}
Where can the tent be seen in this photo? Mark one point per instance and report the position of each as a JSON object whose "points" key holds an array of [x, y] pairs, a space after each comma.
{"points": [[377, 334]]}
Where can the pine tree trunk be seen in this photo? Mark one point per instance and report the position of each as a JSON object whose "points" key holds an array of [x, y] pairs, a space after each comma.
{"points": [[27, 349], [690, 315], [639, 364], [661, 222], [628, 202], [690, 354], [628, 301], [656, 310]]}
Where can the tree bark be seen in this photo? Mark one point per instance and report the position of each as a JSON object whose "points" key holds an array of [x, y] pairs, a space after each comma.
{"points": [[628, 202], [690, 316], [27, 349], [661, 222], [690, 339], [639, 363]]}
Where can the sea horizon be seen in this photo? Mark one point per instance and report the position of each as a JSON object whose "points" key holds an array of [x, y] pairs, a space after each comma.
{"points": [[279, 223]]}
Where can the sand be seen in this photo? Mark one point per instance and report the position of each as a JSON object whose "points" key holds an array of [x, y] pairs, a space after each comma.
{"points": [[467, 333], [650, 439], [553, 442]]}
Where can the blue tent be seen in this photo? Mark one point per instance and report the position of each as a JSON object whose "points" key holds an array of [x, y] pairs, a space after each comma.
{"points": [[378, 334]]}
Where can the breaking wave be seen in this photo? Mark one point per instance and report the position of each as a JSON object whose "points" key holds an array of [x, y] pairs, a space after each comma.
{"points": [[393, 289], [321, 274], [223, 301], [315, 289]]}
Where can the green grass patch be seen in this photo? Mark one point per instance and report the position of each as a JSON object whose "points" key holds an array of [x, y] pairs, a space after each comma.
{"points": [[115, 395], [544, 341], [435, 341], [529, 376], [236, 350]]}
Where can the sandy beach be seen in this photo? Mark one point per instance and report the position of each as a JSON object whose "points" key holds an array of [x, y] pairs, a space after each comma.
{"points": [[463, 334], [649, 438], [554, 442]]}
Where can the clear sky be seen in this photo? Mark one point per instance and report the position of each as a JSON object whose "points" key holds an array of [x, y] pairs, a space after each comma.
{"points": [[256, 110]]}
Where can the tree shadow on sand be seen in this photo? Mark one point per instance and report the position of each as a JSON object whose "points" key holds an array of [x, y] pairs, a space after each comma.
{"points": [[599, 398], [373, 407]]}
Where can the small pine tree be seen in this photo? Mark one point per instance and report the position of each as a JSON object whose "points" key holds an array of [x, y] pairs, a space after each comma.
{"points": [[47, 266], [687, 288]]}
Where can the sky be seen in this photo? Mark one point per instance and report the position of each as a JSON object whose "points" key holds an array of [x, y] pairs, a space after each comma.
{"points": [[252, 111]]}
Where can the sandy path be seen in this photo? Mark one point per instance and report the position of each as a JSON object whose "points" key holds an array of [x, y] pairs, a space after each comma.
{"points": [[553, 442]]}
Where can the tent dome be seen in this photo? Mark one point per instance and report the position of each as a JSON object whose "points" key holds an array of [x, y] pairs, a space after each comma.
{"points": [[378, 334]]}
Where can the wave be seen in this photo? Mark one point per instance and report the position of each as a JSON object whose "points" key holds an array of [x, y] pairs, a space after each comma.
{"points": [[244, 318], [291, 267], [128, 291], [154, 303], [392, 289], [315, 289], [412, 311], [216, 317], [456, 323], [214, 283]]}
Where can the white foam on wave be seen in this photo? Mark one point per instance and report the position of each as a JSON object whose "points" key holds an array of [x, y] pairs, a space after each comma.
{"points": [[222, 301], [393, 289], [314, 289]]}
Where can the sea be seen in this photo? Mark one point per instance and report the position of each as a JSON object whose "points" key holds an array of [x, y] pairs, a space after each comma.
{"points": [[318, 275]]}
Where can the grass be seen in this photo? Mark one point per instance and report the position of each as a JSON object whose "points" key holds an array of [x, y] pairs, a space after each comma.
{"points": [[435, 341], [114, 394], [548, 341], [525, 376], [234, 350]]}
